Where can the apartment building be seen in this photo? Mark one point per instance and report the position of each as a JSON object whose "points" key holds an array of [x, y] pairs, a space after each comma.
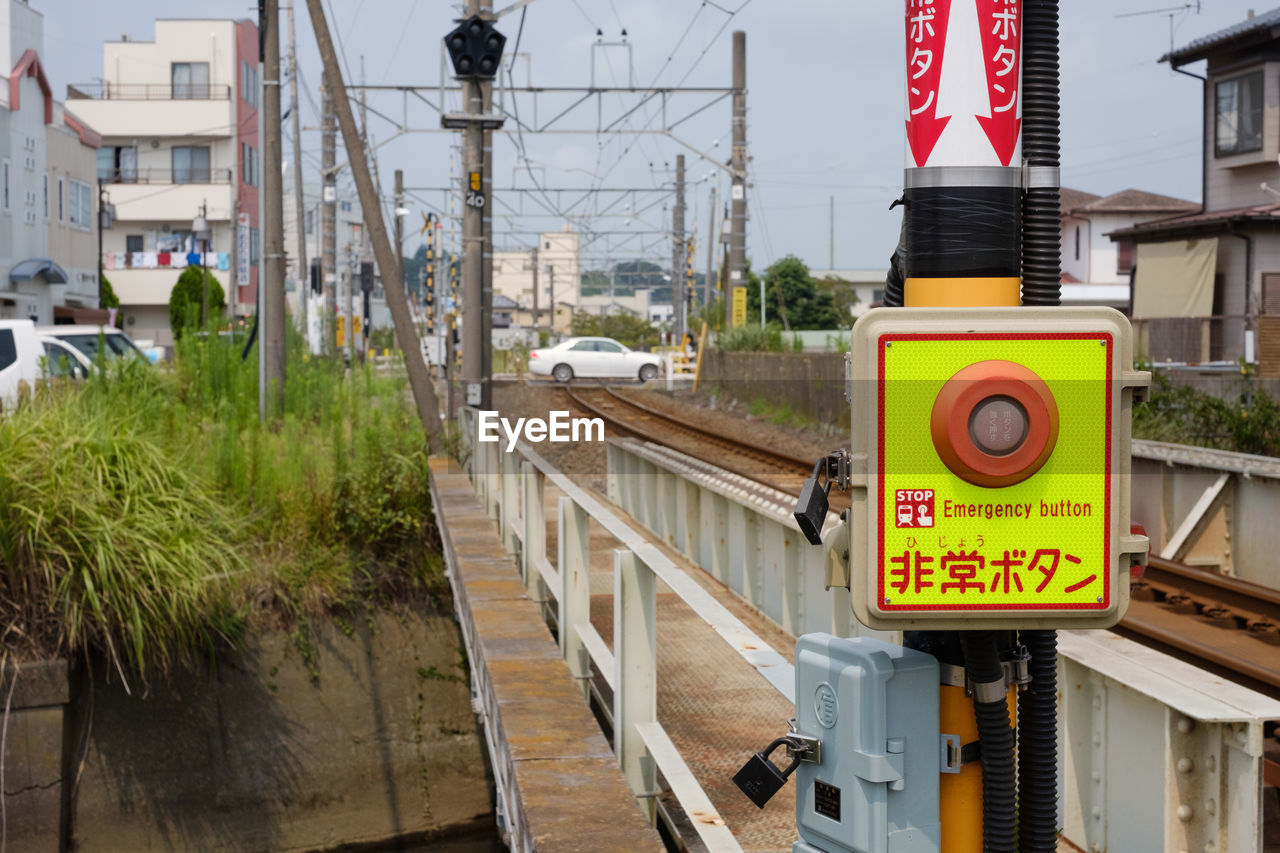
{"points": [[559, 271], [48, 248], [179, 122]]}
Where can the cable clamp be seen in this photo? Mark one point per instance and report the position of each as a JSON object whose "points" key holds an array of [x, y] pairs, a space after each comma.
{"points": [[1041, 177], [955, 753]]}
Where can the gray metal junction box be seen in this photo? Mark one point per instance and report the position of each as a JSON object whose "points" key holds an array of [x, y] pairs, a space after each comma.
{"points": [[875, 708]]}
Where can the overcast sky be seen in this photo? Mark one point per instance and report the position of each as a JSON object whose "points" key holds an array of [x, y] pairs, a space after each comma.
{"points": [[825, 81]]}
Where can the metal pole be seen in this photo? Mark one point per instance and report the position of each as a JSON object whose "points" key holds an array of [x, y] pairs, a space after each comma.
{"points": [[299, 202], [101, 209], [348, 325], [273, 195], [678, 253], [535, 293], [399, 220], [711, 250], [738, 221], [204, 270], [831, 260], [486, 257], [329, 218], [359, 346], [475, 342], [551, 278]]}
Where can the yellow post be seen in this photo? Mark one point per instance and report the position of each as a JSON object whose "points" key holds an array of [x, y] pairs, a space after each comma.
{"points": [[702, 351]]}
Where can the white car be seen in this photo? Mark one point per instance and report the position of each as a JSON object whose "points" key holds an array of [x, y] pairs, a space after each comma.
{"points": [[62, 360], [20, 354], [593, 358], [85, 340]]}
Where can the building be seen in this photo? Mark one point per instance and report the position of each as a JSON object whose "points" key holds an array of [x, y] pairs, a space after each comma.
{"points": [[559, 270], [48, 245], [866, 285], [1096, 269], [1207, 283], [179, 122]]}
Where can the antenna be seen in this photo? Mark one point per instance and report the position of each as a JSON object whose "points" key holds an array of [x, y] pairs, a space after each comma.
{"points": [[1171, 11]]}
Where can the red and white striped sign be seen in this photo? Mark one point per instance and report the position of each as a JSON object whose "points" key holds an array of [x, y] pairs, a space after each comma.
{"points": [[964, 82]]}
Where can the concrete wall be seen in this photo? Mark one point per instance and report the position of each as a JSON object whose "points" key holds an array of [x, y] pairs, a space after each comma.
{"points": [[810, 383], [258, 755]]}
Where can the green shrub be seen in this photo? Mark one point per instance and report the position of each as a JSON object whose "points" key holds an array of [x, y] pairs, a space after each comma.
{"points": [[752, 338], [1246, 420], [186, 300]]}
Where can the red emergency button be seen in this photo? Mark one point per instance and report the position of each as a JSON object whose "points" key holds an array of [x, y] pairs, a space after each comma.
{"points": [[994, 424]]}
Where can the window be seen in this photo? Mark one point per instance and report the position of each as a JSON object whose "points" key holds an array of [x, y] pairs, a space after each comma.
{"points": [[249, 84], [1124, 257], [548, 244], [1239, 115], [133, 243], [607, 346], [8, 349], [310, 220], [190, 80], [584, 346], [249, 167], [118, 164], [1077, 242], [191, 164], [60, 214], [253, 245], [81, 204], [46, 196]]}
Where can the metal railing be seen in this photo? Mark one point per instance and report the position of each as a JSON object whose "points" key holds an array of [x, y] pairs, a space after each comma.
{"points": [[512, 489], [149, 92], [194, 175], [1190, 340]]}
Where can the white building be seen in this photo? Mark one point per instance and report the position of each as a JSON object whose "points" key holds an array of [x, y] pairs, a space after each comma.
{"points": [[559, 268], [48, 250], [179, 121], [867, 284], [1095, 270]]}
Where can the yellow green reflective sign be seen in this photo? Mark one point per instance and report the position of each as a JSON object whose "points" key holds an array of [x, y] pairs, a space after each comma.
{"points": [[948, 546]]}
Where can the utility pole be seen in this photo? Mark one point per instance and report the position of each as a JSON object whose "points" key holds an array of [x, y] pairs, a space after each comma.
{"points": [[399, 206], [831, 260], [329, 217], [551, 278], [360, 346], [299, 203], [711, 249], [678, 253], [535, 291], [735, 287], [348, 288], [424, 396], [273, 196]]}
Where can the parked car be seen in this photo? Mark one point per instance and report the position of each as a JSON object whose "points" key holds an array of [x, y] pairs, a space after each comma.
{"points": [[85, 340], [20, 354], [62, 360], [593, 358]]}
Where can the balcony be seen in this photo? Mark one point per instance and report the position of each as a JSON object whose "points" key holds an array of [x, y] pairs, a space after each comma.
{"points": [[166, 195], [148, 92], [146, 110]]}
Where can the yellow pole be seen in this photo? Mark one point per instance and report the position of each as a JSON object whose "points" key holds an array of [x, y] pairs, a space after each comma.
{"points": [[702, 351]]}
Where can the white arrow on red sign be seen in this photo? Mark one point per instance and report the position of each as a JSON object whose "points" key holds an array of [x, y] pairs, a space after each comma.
{"points": [[1000, 23], [926, 40]]}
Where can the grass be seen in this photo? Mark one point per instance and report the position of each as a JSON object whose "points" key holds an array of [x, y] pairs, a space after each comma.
{"points": [[780, 414], [150, 516]]}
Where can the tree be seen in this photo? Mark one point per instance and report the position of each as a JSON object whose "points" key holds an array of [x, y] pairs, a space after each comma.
{"points": [[633, 332], [109, 298], [793, 298], [186, 301]]}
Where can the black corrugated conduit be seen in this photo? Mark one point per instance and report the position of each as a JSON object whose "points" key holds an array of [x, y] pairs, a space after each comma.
{"points": [[1041, 147], [995, 732]]}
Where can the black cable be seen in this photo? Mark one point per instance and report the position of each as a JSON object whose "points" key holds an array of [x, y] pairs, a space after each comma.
{"points": [[999, 775], [1038, 747]]}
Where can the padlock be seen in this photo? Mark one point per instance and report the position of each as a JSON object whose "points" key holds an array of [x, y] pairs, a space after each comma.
{"points": [[811, 507], [760, 779]]}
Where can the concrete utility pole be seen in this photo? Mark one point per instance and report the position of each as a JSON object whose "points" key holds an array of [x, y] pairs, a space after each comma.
{"points": [[551, 280], [399, 206], [738, 195], [329, 218], [360, 345], [273, 196], [711, 250], [678, 260], [299, 203], [419, 381], [348, 289], [535, 291]]}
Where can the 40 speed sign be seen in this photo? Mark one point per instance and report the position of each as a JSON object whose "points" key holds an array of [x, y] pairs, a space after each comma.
{"points": [[996, 452]]}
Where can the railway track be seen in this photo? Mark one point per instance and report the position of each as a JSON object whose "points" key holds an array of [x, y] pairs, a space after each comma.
{"points": [[1221, 623]]}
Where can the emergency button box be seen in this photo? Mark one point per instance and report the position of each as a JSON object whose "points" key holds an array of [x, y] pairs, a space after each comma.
{"points": [[995, 445]]}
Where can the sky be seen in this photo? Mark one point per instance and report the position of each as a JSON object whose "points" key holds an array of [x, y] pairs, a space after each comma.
{"points": [[825, 82]]}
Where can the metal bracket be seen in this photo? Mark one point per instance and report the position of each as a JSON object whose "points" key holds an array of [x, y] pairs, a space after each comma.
{"points": [[800, 745], [955, 754]]}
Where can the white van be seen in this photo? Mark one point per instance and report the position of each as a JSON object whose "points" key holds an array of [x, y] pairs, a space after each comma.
{"points": [[20, 354]]}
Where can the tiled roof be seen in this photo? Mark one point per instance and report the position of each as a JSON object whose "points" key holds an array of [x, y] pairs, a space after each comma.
{"points": [[1137, 201], [1072, 199], [1204, 222], [1256, 28]]}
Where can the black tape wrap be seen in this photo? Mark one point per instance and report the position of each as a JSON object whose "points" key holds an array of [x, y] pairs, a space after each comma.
{"points": [[963, 232]]}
